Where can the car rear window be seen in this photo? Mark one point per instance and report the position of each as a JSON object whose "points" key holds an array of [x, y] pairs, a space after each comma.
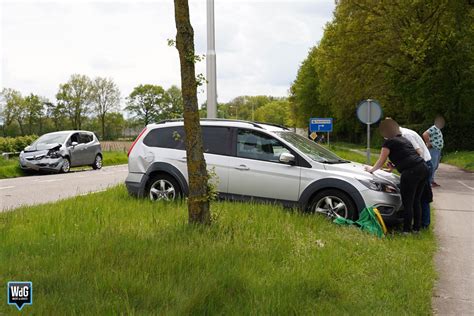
{"points": [[216, 139]]}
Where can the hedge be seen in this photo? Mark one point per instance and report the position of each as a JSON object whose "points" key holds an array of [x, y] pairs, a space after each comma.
{"points": [[15, 144]]}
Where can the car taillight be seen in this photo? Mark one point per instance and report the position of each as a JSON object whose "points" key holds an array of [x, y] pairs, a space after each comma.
{"points": [[136, 140]]}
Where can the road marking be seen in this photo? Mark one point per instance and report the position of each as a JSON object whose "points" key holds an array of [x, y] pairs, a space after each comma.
{"points": [[466, 185], [447, 210], [50, 180], [3, 188]]}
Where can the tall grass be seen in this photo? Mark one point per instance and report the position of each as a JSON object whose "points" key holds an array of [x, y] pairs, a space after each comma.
{"points": [[461, 159], [108, 253]]}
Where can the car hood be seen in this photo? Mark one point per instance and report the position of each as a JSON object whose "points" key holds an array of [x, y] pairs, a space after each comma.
{"points": [[358, 171], [42, 147]]}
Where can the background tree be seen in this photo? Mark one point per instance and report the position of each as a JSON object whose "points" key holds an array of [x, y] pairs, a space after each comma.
{"points": [[198, 200], [75, 97], [175, 102], [414, 57], [277, 112], [105, 99], [11, 99], [33, 105], [148, 103], [304, 93]]}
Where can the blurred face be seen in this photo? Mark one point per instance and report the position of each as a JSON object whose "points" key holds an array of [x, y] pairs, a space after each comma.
{"points": [[439, 122]]}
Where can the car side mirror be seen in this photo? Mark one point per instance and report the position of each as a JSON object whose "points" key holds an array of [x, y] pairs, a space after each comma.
{"points": [[287, 158], [74, 144]]}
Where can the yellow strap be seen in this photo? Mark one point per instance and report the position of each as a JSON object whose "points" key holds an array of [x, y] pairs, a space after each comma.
{"points": [[380, 219]]}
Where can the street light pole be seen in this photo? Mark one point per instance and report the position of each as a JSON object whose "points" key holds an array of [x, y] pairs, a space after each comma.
{"points": [[211, 63]]}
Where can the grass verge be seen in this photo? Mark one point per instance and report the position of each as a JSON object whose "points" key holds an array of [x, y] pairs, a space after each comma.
{"points": [[107, 253], [461, 159], [11, 168]]}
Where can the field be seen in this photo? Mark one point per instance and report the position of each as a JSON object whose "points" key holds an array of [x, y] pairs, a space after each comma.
{"points": [[108, 253], [11, 168]]}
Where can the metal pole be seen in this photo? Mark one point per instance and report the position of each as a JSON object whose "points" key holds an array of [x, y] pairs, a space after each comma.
{"points": [[368, 130], [211, 63], [328, 139]]}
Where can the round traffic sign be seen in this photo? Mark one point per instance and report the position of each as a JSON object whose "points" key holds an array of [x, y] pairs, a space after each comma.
{"points": [[369, 111]]}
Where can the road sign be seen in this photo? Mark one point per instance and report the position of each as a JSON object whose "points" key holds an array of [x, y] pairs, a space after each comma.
{"points": [[313, 135], [369, 111], [320, 125]]}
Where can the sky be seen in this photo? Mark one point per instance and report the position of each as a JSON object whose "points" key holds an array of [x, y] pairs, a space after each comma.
{"points": [[259, 44]]}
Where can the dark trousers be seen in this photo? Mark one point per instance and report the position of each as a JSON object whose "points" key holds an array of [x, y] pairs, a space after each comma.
{"points": [[426, 199], [412, 184]]}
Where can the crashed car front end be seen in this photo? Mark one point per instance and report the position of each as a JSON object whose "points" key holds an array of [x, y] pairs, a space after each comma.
{"points": [[43, 160]]}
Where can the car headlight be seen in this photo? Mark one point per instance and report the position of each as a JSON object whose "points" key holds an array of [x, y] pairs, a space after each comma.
{"points": [[53, 154], [379, 186]]}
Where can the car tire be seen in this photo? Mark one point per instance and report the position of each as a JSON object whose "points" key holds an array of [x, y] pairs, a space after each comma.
{"points": [[163, 187], [331, 202], [66, 167], [97, 162]]}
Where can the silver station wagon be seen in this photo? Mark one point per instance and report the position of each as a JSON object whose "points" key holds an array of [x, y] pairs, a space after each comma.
{"points": [[258, 161]]}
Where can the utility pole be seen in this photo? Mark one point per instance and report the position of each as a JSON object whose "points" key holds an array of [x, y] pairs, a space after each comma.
{"points": [[211, 63]]}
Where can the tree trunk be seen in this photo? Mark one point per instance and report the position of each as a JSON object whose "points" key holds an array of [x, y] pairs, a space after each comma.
{"points": [[198, 201], [102, 121]]}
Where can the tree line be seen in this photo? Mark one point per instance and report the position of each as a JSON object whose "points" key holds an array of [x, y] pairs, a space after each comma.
{"points": [[415, 57], [87, 103]]}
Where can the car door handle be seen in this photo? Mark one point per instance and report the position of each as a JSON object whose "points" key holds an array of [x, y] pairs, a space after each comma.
{"points": [[183, 159], [242, 167]]}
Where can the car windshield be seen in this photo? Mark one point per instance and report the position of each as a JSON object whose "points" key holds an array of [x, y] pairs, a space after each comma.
{"points": [[52, 138], [314, 151]]}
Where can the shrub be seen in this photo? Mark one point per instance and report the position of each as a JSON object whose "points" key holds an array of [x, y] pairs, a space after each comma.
{"points": [[15, 144]]}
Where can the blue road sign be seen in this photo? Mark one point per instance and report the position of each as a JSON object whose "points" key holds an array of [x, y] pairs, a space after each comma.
{"points": [[318, 124]]}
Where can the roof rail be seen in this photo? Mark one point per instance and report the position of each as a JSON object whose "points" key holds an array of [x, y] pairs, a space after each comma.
{"points": [[213, 119], [255, 124]]}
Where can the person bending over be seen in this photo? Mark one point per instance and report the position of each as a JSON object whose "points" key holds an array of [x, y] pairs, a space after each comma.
{"points": [[412, 168]]}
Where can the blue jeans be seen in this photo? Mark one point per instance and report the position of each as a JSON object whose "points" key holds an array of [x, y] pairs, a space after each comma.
{"points": [[426, 199], [435, 158]]}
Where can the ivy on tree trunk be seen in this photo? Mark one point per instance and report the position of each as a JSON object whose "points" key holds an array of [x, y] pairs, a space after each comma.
{"points": [[198, 201]]}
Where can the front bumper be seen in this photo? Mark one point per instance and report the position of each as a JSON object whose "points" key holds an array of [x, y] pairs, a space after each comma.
{"points": [[389, 204], [43, 164]]}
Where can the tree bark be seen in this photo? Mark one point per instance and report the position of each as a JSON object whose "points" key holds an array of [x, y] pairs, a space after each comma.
{"points": [[198, 201]]}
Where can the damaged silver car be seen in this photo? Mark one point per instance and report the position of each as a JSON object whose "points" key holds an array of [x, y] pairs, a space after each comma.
{"points": [[59, 151]]}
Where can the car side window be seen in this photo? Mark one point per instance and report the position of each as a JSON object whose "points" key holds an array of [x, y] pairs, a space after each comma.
{"points": [[168, 137], [255, 145], [74, 138], [216, 140], [85, 138]]}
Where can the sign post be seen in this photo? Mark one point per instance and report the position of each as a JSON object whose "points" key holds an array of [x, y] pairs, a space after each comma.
{"points": [[319, 124], [369, 112]]}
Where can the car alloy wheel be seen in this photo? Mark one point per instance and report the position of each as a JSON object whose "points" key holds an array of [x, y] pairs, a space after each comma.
{"points": [[331, 206], [162, 190], [66, 166], [97, 162]]}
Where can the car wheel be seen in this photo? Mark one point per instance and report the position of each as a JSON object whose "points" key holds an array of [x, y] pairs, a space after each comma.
{"points": [[97, 162], [333, 203], [163, 187], [66, 167]]}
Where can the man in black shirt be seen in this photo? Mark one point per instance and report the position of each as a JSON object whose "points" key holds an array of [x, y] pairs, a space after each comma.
{"points": [[412, 168]]}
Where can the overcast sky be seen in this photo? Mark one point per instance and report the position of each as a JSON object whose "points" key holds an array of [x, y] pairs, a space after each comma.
{"points": [[259, 44]]}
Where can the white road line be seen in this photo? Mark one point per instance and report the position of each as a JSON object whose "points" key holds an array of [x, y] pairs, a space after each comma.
{"points": [[466, 185], [10, 187], [50, 180]]}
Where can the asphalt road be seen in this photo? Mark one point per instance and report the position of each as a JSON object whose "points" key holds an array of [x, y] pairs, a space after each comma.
{"points": [[48, 188], [454, 228]]}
